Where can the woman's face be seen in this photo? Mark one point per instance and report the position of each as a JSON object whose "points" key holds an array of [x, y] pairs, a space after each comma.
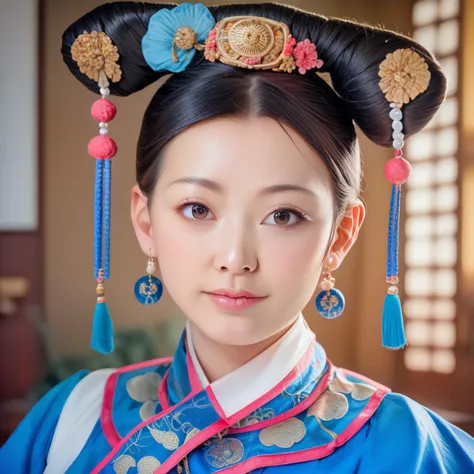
{"points": [[239, 206]]}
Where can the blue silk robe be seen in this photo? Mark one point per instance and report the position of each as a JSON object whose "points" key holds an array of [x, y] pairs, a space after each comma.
{"points": [[317, 419]]}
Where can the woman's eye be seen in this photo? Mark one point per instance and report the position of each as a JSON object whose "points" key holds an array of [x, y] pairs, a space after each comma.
{"points": [[284, 217], [196, 211]]}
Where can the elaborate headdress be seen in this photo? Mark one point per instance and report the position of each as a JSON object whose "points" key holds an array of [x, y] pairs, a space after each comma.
{"points": [[175, 37]]}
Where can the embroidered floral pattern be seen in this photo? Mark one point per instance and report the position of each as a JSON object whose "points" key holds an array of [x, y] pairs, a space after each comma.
{"points": [[340, 404], [358, 391], [404, 75], [333, 403], [329, 406], [284, 434], [259, 415], [224, 452], [168, 439], [123, 464], [143, 388], [146, 465]]}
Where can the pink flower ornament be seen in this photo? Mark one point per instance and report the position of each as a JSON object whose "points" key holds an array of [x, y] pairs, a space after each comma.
{"points": [[306, 56], [289, 46], [252, 61]]}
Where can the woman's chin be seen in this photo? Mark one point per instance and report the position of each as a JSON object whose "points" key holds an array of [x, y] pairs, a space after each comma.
{"points": [[231, 329]]}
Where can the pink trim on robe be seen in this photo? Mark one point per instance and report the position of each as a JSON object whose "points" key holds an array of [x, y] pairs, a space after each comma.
{"points": [[314, 453], [106, 419], [215, 428], [307, 402]]}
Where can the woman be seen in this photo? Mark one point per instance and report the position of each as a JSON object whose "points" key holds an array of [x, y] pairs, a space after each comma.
{"points": [[247, 197]]}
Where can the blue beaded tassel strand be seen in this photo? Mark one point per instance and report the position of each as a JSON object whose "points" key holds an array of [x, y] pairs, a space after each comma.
{"points": [[103, 149], [397, 171], [102, 329]]}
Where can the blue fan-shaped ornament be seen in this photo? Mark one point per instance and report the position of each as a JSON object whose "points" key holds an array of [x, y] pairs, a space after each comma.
{"points": [[159, 42], [330, 303], [148, 289]]}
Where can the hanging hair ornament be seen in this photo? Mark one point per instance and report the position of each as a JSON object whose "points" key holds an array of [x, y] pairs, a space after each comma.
{"points": [[97, 57], [404, 75], [330, 301], [148, 288]]}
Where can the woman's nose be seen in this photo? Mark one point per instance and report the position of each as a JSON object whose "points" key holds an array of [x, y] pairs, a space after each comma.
{"points": [[236, 252]]}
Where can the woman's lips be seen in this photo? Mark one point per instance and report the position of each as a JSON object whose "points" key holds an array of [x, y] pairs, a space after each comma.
{"points": [[234, 300]]}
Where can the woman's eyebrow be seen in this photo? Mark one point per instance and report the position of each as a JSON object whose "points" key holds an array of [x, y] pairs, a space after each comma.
{"points": [[216, 187]]}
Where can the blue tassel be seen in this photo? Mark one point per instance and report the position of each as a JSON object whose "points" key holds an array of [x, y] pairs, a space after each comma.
{"points": [[393, 333], [102, 339]]}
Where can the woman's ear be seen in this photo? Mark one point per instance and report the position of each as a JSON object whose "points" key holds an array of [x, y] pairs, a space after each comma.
{"points": [[141, 220], [347, 232]]}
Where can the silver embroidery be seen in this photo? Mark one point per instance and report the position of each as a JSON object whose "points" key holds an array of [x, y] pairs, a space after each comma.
{"points": [[123, 463], [191, 434], [168, 439], [329, 406], [259, 415], [358, 391], [283, 435], [143, 388], [148, 465], [224, 452], [363, 391], [147, 410]]}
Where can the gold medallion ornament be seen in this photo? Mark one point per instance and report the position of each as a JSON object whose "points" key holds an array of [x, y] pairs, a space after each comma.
{"points": [[250, 38], [249, 42], [404, 75], [97, 57]]}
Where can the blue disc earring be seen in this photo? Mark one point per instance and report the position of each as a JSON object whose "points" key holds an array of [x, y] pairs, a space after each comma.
{"points": [[330, 301], [148, 288]]}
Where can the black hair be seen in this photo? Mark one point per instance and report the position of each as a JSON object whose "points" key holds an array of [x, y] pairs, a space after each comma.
{"points": [[351, 51]]}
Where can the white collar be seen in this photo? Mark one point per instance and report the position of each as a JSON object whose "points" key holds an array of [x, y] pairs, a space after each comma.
{"points": [[265, 371]]}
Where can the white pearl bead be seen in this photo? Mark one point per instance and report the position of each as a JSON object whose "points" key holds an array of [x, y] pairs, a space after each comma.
{"points": [[393, 105], [103, 131], [103, 124], [327, 285], [151, 268], [397, 125], [397, 135], [104, 91], [396, 114], [398, 144]]}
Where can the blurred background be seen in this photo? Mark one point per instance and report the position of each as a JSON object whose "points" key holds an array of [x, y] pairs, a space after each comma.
{"points": [[47, 290]]}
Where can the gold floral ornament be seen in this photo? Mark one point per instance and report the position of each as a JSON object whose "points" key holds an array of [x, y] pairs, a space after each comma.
{"points": [[97, 57], [404, 75]]}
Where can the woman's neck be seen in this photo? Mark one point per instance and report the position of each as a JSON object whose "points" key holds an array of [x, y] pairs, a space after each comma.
{"points": [[218, 360]]}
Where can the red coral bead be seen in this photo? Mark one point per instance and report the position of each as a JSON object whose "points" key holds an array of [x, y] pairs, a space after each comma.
{"points": [[397, 170], [103, 110], [102, 147]]}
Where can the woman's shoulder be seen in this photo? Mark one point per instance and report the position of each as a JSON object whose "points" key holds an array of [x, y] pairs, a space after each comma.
{"points": [[28, 446], [402, 432]]}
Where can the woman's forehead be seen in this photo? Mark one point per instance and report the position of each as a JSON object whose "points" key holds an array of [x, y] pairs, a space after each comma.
{"points": [[247, 148]]}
